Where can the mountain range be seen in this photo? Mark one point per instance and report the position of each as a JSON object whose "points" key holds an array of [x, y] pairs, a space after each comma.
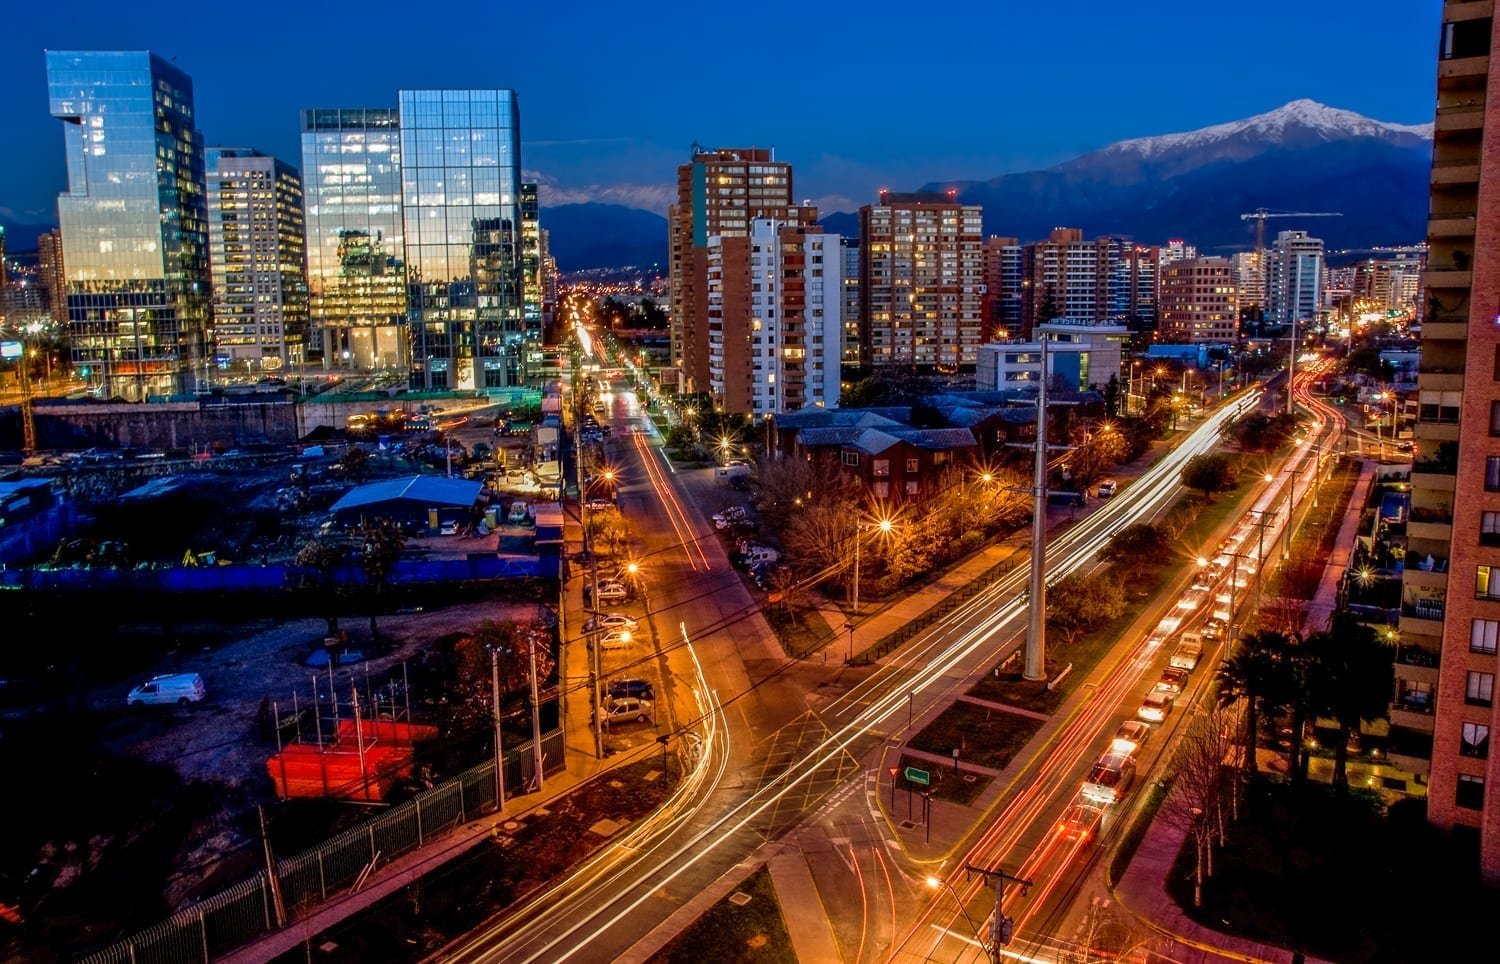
{"points": [[1304, 156]]}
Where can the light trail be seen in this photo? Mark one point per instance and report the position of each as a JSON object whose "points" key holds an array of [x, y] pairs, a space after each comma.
{"points": [[1068, 747], [868, 706], [676, 515]]}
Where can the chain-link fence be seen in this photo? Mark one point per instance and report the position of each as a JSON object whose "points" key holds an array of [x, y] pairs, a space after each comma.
{"points": [[236, 916]]}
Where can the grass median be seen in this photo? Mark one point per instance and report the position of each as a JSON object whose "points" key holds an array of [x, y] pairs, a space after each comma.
{"points": [[983, 736]]}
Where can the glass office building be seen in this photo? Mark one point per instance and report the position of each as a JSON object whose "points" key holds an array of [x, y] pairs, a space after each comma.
{"points": [[134, 222], [255, 239], [531, 263], [461, 179], [351, 171]]}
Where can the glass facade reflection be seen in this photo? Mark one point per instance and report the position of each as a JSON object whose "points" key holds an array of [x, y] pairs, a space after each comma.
{"points": [[460, 174], [351, 169], [531, 264], [255, 239], [134, 222]]}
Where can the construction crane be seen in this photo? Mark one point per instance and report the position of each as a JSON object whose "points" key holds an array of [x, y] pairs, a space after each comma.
{"points": [[1259, 216]]}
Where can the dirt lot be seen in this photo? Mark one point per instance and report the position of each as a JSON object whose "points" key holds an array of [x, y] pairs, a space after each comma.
{"points": [[183, 784]]}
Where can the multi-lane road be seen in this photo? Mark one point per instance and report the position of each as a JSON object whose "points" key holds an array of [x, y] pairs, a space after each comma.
{"points": [[764, 764]]}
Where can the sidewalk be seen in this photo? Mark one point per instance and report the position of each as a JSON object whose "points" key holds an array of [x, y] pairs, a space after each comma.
{"points": [[391, 877], [1325, 601]]}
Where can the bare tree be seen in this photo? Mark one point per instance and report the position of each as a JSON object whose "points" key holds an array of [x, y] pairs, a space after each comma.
{"points": [[1108, 933], [1200, 792]]}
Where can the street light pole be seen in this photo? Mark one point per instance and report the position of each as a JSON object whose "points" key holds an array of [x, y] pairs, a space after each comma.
{"points": [[1036, 643], [935, 883]]}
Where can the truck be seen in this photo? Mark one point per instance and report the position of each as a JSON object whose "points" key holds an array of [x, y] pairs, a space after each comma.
{"points": [[1189, 650]]}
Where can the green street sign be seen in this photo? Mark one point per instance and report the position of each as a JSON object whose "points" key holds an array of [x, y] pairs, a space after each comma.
{"points": [[913, 775]]}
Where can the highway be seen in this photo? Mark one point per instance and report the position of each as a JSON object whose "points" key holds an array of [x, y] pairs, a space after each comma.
{"points": [[598, 912]]}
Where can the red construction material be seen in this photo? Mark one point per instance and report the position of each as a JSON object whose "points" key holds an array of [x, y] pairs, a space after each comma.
{"points": [[359, 764]]}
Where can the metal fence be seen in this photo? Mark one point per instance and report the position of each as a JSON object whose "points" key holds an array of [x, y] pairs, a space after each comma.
{"points": [[959, 596], [238, 915]]}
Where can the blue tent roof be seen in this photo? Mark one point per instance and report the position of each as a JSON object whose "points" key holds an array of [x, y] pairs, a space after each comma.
{"points": [[428, 489]]}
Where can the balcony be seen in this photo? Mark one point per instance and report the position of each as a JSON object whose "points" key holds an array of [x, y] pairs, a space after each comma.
{"points": [[1446, 330], [1436, 531], [1426, 609], [1448, 278], [1474, 10], [1462, 72], [1458, 171], [1455, 227], [1467, 115], [1409, 749], [1434, 378]]}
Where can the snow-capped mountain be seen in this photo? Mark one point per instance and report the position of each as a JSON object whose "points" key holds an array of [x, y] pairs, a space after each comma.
{"points": [[1304, 156], [1295, 121]]}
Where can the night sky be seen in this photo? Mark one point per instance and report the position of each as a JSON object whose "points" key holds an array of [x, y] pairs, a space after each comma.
{"points": [[856, 95]]}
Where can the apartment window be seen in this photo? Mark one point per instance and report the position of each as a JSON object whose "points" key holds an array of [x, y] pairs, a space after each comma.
{"points": [[1482, 636], [1489, 528], [1492, 473], [913, 487], [911, 466], [1479, 689], [1475, 741], [1494, 419], [851, 459], [1486, 583], [880, 468], [1470, 794]]}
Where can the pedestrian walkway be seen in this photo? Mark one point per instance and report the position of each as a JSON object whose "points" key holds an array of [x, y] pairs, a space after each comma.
{"points": [[1326, 599]]}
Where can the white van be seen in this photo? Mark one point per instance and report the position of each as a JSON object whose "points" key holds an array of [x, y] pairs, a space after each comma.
{"points": [[179, 688], [1188, 652]]}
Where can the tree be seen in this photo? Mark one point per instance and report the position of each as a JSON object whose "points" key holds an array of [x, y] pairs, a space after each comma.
{"points": [[381, 543], [1077, 602], [1208, 473], [894, 385], [1112, 396], [355, 463], [1349, 680], [683, 438], [1137, 543], [315, 564], [1196, 803], [1251, 675]]}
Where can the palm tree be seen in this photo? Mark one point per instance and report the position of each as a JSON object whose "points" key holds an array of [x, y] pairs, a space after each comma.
{"points": [[1253, 674], [1349, 680]]}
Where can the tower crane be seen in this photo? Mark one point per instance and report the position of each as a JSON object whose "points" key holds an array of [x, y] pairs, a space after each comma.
{"points": [[1259, 216]]}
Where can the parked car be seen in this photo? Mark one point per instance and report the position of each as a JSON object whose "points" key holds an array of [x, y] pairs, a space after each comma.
{"points": [[1173, 680], [732, 516], [609, 621], [449, 528], [627, 709], [520, 513], [638, 688], [179, 688], [1156, 707], [610, 591], [1131, 736], [616, 639], [1107, 489]]}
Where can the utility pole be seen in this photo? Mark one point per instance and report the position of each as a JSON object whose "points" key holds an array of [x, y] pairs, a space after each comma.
{"points": [[1291, 366], [536, 719], [1036, 643], [499, 742], [1002, 928]]}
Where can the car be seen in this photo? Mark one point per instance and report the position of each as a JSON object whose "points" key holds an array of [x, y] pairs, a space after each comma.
{"points": [[1079, 823], [613, 592], [610, 621], [1213, 630], [1172, 680], [616, 639], [600, 505], [732, 516], [1112, 775], [638, 688], [519, 514], [449, 528], [1156, 707], [1107, 489], [1131, 736], [179, 688], [627, 709], [1406, 447]]}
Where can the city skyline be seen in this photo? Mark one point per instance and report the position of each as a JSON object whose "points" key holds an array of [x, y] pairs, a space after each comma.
{"points": [[594, 138]]}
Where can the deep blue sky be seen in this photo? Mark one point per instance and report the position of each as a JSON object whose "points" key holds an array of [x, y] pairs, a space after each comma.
{"points": [[855, 95]]}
